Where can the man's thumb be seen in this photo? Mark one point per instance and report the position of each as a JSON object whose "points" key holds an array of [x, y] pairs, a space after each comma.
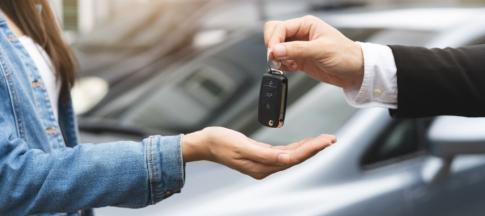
{"points": [[294, 50]]}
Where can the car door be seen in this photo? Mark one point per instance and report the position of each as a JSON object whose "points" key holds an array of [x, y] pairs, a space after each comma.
{"points": [[389, 168], [462, 192], [400, 154]]}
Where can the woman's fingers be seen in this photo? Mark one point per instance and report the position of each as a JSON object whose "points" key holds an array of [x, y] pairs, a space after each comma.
{"points": [[260, 153], [307, 149], [258, 170], [259, 160], [293, 145], [287, 155], [256, 159]]}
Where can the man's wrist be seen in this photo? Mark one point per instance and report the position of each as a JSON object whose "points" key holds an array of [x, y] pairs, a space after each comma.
{"points": [[353, 73], [379, 84], [359, 66]]}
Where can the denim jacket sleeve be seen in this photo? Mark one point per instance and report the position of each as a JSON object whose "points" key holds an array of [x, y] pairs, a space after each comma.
{"points": [[124, 174]]}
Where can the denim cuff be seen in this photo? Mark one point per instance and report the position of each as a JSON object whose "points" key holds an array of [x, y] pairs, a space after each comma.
{"points": [[166, 169]]}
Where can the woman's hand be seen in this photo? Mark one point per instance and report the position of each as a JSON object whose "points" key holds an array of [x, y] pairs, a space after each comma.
{"points": [[250, 157], [316, 48]]}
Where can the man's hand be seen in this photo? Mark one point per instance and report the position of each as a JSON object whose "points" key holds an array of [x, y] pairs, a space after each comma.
{"points": [[250, 157], [311, 45]]}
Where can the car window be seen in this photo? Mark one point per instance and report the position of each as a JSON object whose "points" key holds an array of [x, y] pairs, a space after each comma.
{"points": [[402, 37], [477, 41], [390, 36], [359, 34], [402, 139], [184, 104]]}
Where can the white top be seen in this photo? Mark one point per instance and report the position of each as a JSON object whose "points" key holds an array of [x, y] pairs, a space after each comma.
{"points": [[379, 87], [44, 66]]}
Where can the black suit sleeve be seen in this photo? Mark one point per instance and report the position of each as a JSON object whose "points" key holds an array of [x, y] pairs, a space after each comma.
{"points": [[440, 81]]}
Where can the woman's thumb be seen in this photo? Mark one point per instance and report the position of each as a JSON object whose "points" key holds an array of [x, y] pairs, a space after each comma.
{"points": [[294, 50]]}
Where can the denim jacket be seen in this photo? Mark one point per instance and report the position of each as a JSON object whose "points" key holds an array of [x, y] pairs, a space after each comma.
{"points": [[43, 168]]}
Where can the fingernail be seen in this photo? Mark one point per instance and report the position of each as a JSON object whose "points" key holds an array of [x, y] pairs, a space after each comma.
{"points": [[275, 64], [279, 51], [284, 158], [333, 139]]}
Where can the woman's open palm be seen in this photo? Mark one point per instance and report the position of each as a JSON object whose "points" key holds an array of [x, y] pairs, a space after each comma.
{"points": [[253, 158]]}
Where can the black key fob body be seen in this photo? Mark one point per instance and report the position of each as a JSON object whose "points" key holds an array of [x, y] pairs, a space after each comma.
{"points": [[272, 99]]}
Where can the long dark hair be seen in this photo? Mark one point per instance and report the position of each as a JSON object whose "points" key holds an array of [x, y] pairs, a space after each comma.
{"points": [[42, 27]]}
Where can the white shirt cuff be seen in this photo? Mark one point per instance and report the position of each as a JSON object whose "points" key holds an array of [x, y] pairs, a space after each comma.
{"points": [[379, 86]]}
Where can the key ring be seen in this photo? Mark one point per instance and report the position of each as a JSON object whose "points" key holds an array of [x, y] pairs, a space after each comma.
{"points": [[273, 66]]}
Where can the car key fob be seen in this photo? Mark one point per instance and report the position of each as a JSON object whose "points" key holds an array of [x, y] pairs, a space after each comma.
{"points": [[272, 99]]}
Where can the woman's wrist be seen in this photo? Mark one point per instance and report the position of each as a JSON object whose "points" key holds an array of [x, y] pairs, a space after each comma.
{"points": [[195, 146]]}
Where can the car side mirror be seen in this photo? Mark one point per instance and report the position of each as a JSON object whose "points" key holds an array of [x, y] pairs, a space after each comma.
{"points": [[451, 136]]}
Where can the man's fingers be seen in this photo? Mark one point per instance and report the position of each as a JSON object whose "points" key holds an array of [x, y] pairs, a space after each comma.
{"points": [[291, 65], [307, 149], [268, 31], [276, 32], [278, 36], [300, 28], [295, 50], [273, 33]]}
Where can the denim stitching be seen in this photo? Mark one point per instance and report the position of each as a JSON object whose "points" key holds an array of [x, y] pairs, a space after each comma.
{"points": [[150, 169], [158, 172], [41, 93], [181, 161], [7, 75]]}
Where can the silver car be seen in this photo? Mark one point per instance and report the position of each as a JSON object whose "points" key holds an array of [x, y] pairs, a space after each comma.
{"points": [[380, 166]]}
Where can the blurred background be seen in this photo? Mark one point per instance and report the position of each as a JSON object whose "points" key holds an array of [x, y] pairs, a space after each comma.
{"points": [[176, 66]]}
